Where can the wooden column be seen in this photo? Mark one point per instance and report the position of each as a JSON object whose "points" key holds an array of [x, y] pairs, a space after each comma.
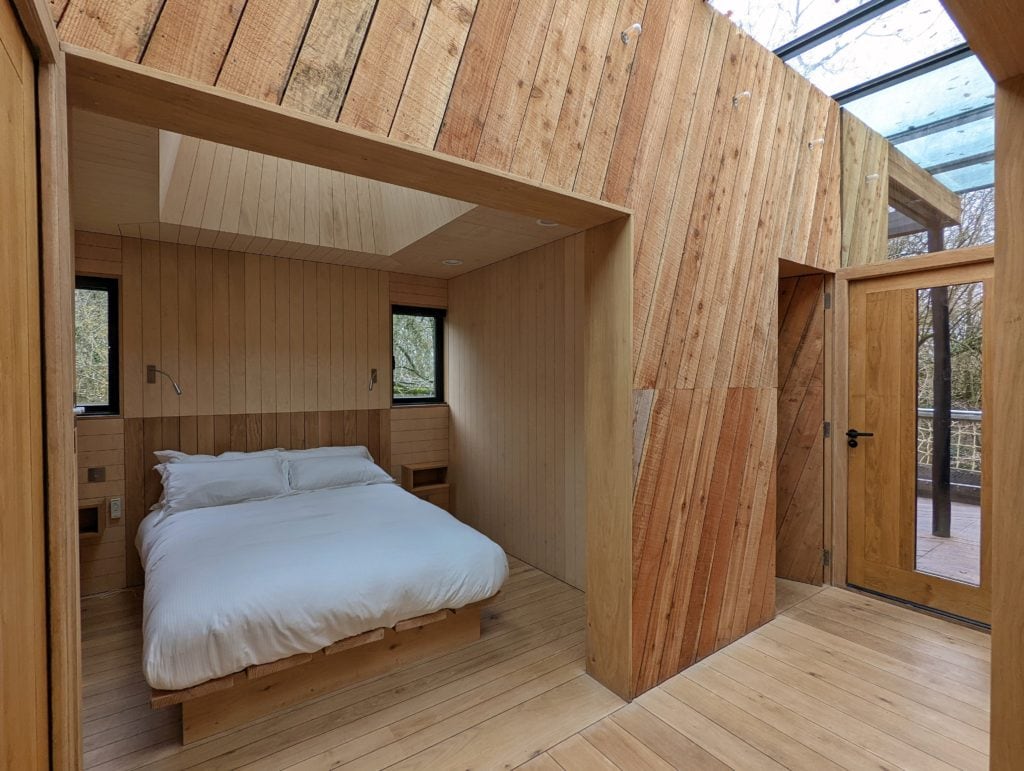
{"points": [[1007, 436]]}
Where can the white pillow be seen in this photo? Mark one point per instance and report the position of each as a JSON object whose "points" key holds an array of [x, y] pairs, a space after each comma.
{"points": [[200, 485], [323, 471], [316, 452], [174, 456]]}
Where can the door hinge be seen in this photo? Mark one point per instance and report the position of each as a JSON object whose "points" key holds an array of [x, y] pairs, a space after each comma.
{"points": [[828, 429], [828, 301], [826, 557]]}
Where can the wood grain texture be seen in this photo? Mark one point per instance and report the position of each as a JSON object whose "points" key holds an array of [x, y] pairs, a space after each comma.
{"points": [[419, 435], [57, 281], [720, 191], [514, 352], [865, 193], [101, 445], [997, 44], [24, 681], [1008, 407], [800, 493], [244, 333], [882, 477], [805, 691]]}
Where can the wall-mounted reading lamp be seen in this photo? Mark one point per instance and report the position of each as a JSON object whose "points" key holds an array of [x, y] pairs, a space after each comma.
{"points": [[151, 373]]}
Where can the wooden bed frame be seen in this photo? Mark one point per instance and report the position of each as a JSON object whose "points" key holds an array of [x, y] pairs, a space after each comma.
{"points": [[232, 701]]}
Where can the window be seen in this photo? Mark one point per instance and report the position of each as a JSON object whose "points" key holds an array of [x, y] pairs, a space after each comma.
{"points": [[96, 352], [417, 347]]}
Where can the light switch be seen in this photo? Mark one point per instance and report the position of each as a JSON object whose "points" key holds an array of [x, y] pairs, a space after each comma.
{"points": [[115, 508]]}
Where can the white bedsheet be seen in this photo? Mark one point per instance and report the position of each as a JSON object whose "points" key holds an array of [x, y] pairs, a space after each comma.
{"points": [[250, 583]]}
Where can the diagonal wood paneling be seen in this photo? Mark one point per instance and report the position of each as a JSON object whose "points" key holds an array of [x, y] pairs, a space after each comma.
{"points": [[730, 162], [800, 524]]}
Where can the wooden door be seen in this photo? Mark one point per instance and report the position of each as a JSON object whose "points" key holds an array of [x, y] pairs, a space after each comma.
{"points": [[891, 547], [800, 491], [23, 644]]}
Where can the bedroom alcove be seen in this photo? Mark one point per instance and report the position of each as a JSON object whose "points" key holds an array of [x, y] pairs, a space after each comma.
{"points": [[258, 277]]}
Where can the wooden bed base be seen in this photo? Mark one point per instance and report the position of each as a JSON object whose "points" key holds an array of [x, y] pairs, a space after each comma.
{"points": [[232, 701]]}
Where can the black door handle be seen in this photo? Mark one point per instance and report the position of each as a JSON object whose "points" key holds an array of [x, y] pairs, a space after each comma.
{"points": [[852, 435]]}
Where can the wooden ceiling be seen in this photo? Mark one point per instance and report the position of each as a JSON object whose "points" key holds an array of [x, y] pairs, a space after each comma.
{"points": [[142, 182]]}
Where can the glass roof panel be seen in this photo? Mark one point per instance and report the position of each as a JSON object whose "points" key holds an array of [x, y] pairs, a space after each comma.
{"points": [[950, 90], [965, 141], [969, 178], [903, 35], [939, 117], [772, 23]]}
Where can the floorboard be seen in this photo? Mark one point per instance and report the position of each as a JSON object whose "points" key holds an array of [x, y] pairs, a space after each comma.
{"points": [[837, 680]]}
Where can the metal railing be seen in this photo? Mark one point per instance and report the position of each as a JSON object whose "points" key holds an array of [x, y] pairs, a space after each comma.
{"points": [[965, 440]]}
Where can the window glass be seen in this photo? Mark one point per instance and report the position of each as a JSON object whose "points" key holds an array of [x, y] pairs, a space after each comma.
{"points": [[955, 88], [952, 144], [906, 34], [96, 345], [417, 348], [773, 23], [949, 441]]}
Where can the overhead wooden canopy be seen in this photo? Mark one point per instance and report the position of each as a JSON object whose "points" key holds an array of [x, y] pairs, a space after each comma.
{"points": [[113, 87], [995, 31], [916, 193]]}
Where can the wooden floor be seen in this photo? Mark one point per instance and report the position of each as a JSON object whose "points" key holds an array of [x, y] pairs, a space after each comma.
{"points": [[837, 680]]}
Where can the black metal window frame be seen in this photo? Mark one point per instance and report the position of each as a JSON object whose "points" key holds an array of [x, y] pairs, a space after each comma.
{"points": [[438, 314], [112, 288]]}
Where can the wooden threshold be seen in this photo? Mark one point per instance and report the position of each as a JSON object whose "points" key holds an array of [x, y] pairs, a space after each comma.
{"points": [[131, 92]]}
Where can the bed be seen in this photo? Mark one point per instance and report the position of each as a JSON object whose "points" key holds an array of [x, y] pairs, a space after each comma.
{"points": [[252, 588]]}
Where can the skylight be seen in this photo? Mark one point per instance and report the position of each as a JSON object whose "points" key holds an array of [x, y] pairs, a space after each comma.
{"points": [[901, 66]]}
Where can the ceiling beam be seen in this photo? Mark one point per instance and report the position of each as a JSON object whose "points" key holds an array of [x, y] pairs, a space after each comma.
{"points": [[995, 31], [131, 92], [917, 194]]}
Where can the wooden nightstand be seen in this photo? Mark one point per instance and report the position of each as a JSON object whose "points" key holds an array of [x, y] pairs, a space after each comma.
{"points": [[428, 481]]}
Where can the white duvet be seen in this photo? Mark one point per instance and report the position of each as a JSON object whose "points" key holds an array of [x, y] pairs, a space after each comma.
{"points": [[250, 583]]}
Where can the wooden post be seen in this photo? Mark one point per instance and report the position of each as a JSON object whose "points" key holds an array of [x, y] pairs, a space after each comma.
{"points": [[941, 400]]}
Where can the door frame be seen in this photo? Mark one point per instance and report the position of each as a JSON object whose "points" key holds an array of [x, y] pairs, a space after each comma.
{"points": [[951, 258], [57, 290]]}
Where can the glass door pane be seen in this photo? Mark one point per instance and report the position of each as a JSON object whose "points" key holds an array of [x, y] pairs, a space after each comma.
{"points": [[949, 412]]}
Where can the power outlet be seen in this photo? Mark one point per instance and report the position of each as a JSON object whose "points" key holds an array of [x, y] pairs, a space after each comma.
{"points": [[115, 508]]}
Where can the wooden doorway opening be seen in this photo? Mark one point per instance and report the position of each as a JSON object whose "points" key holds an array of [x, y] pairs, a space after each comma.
{"points": [[802, 527], [132, 93], [918, 523]]}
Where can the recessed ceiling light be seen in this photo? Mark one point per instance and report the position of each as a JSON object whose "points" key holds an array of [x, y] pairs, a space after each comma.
{"points": [[451, 262], [547, 223]]}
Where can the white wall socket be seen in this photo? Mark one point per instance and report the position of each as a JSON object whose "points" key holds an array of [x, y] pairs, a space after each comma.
{"points": [[115, 508]]}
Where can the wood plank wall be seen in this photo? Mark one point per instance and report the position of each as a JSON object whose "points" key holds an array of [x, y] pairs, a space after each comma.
{"points": [[246, 333], [515, 386], [800, 516], [102, 559], [722, 184], [865, 193]]}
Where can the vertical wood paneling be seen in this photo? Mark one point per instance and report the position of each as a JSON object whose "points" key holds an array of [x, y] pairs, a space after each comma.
{"points": [[513, 395], [252, 334]]}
